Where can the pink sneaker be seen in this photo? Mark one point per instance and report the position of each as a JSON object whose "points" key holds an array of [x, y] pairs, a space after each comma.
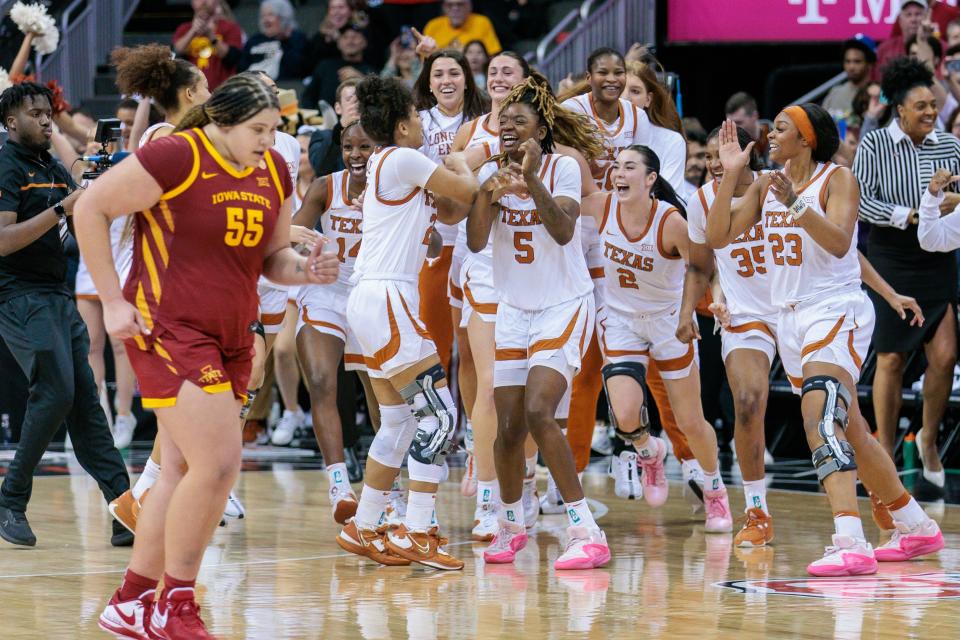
{"points": [[468, 484], [847, 557], [908, 543], [719, 519], [128, 619], [505, 545], [652, 476], [586, 549]]}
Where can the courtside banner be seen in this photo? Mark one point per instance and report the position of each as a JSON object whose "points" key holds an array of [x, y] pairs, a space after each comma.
{"points": [[779, 20]]}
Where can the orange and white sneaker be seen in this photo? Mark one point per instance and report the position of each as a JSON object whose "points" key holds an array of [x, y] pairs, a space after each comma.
{"points": [[343, 502], [125, 509], [847, 556], [130, 618], [757, 530], [423, 547], [369, 543], [468, 484]]}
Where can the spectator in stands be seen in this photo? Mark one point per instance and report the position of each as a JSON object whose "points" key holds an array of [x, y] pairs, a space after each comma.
{"points": [[941, 14], [330, 73], [323, 44], [858, 61], [741, 107], [280, 48], [695, 170], [950, 80], [870, 109], [953, 33], [666, 133], [477, 57], [893, 167], [324, 149], [212, 41], [911, 16], [953, 122], [404, 63], [459, 25]]}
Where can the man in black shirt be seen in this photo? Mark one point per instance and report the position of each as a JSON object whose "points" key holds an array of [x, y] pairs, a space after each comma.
{"points": [[39, 321]]}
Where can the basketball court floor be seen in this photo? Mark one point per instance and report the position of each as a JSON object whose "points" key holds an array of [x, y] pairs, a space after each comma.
{"points": [[279, 574]]}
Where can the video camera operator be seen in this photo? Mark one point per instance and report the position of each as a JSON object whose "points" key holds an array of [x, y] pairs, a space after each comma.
{"points": [[39, 321]]}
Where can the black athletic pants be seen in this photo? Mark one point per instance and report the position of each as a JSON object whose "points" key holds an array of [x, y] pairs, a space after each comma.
{"points": [[49, 341]]}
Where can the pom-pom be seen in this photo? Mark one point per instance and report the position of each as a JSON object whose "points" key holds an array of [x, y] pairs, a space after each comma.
{"points": [[4, 80], [32, 18], [48, 42]]}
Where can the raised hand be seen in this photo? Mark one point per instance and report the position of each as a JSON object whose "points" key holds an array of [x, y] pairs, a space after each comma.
{"points": [[532, 156], [425, 44], [942, 179], [782, 187], [732, 157]]}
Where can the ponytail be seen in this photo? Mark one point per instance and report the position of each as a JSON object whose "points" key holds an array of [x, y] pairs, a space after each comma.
{"points": [[236, 100], [661, 190], [196, 118]]}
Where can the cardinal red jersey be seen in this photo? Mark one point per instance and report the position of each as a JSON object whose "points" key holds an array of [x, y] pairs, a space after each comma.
{"points": [[197, 256]]}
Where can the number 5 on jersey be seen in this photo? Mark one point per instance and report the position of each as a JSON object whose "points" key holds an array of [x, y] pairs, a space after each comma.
{"points": [[523, 243], [244, 226]]}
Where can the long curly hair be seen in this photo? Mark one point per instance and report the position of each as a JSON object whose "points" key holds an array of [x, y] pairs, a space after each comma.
{"points": [[151, 70], [563, 126]]}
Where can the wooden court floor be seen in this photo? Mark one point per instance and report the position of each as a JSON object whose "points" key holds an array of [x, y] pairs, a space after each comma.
{"points": [[279, 574]]}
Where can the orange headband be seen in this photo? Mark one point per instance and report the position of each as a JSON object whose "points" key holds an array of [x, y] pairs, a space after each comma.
{"points": [[803, 124]]}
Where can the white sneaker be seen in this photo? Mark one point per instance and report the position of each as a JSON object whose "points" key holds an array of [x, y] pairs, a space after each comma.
{"points": [[601, 440], [530, 501], [233, 509], [551, 502], [123, 428], [485, 524], [936, 478], [286, 428], [846, 557], [626, 478], [586, 549], [692, 483]]}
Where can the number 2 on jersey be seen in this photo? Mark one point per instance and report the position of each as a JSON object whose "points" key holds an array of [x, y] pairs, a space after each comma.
{"points": [[778, 244], [522, 242], [244, 226]]}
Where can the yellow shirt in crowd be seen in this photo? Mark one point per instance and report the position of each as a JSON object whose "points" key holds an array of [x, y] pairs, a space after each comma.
{"points": [[476, 27]]}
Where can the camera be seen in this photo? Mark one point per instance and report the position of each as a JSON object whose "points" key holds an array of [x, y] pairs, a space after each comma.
{"points": [[108, 136]]}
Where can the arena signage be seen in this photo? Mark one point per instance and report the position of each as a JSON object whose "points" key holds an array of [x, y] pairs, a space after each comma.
{"points": [[779, 20]]}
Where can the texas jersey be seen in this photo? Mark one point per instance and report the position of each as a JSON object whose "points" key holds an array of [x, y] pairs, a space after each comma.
{"points": [[530, 269], [439, 130], [396, 218], [199, 251], [800, 269], [632, 126], [740, 265], [639, 275], [341, 223]]}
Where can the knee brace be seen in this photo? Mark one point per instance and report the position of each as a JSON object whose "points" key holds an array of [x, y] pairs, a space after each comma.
{"points": [[397, 427], [638, 372], [834, 455], [430, 446], [421, 472]]}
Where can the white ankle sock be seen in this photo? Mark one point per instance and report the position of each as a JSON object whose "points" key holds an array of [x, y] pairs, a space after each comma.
{"points": [[488, 492], [420, 507], [755, 494], [151, 471], [513, 513], [649, 449], [579, 514], [530, 466], [337, 473], [371, 507], [712, 481], [849, 526], [911, 515]]}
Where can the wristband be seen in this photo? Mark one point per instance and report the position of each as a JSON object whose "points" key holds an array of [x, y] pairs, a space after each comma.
{"points": [[797, 209], [60, 210]]}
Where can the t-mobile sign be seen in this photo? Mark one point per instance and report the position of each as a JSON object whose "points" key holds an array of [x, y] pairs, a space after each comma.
{"points": [[779, 20]]}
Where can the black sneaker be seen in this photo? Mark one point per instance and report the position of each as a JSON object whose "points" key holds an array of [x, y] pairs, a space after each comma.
{"points": [[354, 468], [15, 529], [121, 536]]}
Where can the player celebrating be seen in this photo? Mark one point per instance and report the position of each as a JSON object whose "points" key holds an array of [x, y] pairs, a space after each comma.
{"points": [[809, 217], [213, 205], [531, 207], [416, 409], [323, 334], [644, 239]]}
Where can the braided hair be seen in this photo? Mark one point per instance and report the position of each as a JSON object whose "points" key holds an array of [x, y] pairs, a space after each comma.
{"points": [[563, 125], [236, 100]]}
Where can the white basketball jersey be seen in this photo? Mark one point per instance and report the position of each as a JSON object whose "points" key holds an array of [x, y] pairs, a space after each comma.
{"points": [[396, 218], [530, 270], [341, 223], [800, 269], [482, 134], [145, 138], [439, 130], [632, 126], [741, 265], [639, 276]]}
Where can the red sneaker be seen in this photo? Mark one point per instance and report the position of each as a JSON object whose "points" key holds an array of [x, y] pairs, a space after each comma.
{"points": [[177, 617], [128, 618]]}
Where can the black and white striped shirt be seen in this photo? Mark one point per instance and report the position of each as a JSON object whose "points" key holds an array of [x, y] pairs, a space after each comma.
{"points": [[893, 172]]}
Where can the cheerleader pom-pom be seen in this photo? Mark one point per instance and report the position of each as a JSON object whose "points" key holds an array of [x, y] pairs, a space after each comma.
{"points": [[4, 80], [60, 103], [32, 18], [48, 42]]}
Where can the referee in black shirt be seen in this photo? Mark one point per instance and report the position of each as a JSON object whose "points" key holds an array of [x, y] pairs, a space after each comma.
{"points": [[39, 321]]}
